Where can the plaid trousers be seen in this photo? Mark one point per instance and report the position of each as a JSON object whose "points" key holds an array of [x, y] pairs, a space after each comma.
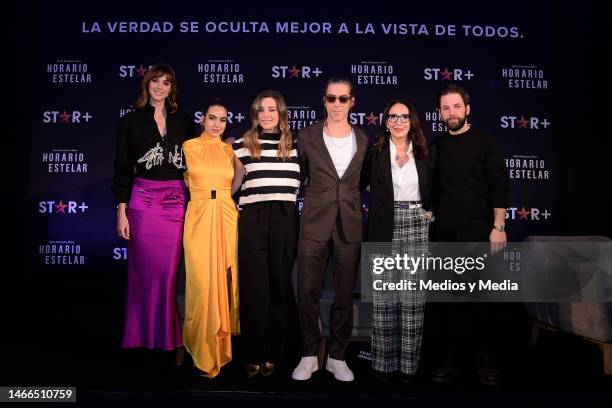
{"points": [[398, 317]]}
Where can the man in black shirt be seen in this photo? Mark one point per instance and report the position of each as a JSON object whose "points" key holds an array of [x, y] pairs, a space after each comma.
{"points": [[470, 193]]}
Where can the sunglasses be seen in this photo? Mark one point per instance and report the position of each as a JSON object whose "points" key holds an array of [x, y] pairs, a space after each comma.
{"points": [[332, 98], [402, 118]]}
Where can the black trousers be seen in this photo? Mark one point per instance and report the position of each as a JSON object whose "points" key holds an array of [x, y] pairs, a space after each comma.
{"points": [[267, 234], [467, 326], [312, 261]]}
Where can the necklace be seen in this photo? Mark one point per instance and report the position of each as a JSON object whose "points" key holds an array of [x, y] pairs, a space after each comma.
{"points": [[401, 158], [333, 139]]}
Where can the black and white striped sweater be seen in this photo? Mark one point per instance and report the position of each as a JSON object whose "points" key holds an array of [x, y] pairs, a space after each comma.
{"points": [[268, 178]]}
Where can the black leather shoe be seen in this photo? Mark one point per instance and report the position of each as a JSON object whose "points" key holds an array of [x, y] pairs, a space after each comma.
{"points": [[489, 376], [408, 378], [383, 377], [445, 375], [488, 368]]}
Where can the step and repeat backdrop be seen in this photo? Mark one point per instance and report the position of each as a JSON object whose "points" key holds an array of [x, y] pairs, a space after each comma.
{"points": [[90, 61]]}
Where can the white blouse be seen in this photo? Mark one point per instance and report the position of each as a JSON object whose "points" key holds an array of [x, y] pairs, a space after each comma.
{"points": [[405, 179]]}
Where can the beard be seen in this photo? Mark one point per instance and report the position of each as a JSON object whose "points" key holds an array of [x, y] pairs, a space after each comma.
{"points": [[456, 124]]}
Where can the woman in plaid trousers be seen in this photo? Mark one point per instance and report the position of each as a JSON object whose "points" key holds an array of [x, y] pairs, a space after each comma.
{"points": [[398, 169]]}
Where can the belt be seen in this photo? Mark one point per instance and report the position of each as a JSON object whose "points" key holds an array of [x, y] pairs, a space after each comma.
{"points": [[210, 194], [407, 204]]}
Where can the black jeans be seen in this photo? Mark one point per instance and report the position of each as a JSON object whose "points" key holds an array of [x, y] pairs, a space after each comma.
{"points": [[465, 327]]}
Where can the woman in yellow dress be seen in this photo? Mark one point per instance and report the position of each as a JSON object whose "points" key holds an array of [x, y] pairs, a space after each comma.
{"points": [[210, 239]]}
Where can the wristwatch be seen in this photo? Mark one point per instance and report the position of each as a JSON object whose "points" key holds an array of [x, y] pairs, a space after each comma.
{"points": [[500, 228]]}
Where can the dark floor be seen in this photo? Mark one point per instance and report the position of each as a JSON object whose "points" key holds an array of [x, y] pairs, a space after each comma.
{"points": [[562, 370], [71, 337]]}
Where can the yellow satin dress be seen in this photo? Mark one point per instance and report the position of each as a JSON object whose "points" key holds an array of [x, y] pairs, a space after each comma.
{"points": [[211, 254]]}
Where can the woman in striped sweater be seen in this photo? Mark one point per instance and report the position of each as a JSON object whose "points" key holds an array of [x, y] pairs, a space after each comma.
{"points": [[267, 231]]}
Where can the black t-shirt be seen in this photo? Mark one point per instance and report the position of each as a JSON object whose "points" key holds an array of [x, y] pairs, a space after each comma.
{"points": [[470, 179], [143, 152]]}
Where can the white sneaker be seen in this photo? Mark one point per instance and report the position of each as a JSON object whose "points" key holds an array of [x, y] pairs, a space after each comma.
{"points": [[305, 368], [339, 369]]}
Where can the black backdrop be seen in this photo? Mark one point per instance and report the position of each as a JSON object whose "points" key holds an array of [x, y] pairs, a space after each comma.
{"points": [[57, 306]]}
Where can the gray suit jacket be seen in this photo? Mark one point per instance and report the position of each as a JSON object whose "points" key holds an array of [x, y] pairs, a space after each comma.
{"points": [[325, 192]]}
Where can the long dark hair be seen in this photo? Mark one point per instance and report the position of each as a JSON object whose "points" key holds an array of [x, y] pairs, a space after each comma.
{"points": [[157, 71], [338, 80], [213, 101], [416, 135]]}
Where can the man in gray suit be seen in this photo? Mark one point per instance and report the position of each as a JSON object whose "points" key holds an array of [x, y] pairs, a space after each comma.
{"points": [[331, 153]]}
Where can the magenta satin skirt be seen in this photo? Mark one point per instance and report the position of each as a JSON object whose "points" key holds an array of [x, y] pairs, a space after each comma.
{"points": [[155, 212]]}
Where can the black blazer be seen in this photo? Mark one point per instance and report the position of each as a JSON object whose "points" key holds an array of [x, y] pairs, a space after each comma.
{"points": [[377, 173], [137, 134]]}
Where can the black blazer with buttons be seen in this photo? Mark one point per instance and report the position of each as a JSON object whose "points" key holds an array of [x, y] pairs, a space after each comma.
{"points": [[377, 173]]}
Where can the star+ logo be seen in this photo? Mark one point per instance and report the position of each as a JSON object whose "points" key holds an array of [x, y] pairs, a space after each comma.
{"points": [[59, 207], [231, 117], [364, 118], [446, 74], [65, 116], [527, 214], [131, 71], [304, 71], [522, 122]]}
